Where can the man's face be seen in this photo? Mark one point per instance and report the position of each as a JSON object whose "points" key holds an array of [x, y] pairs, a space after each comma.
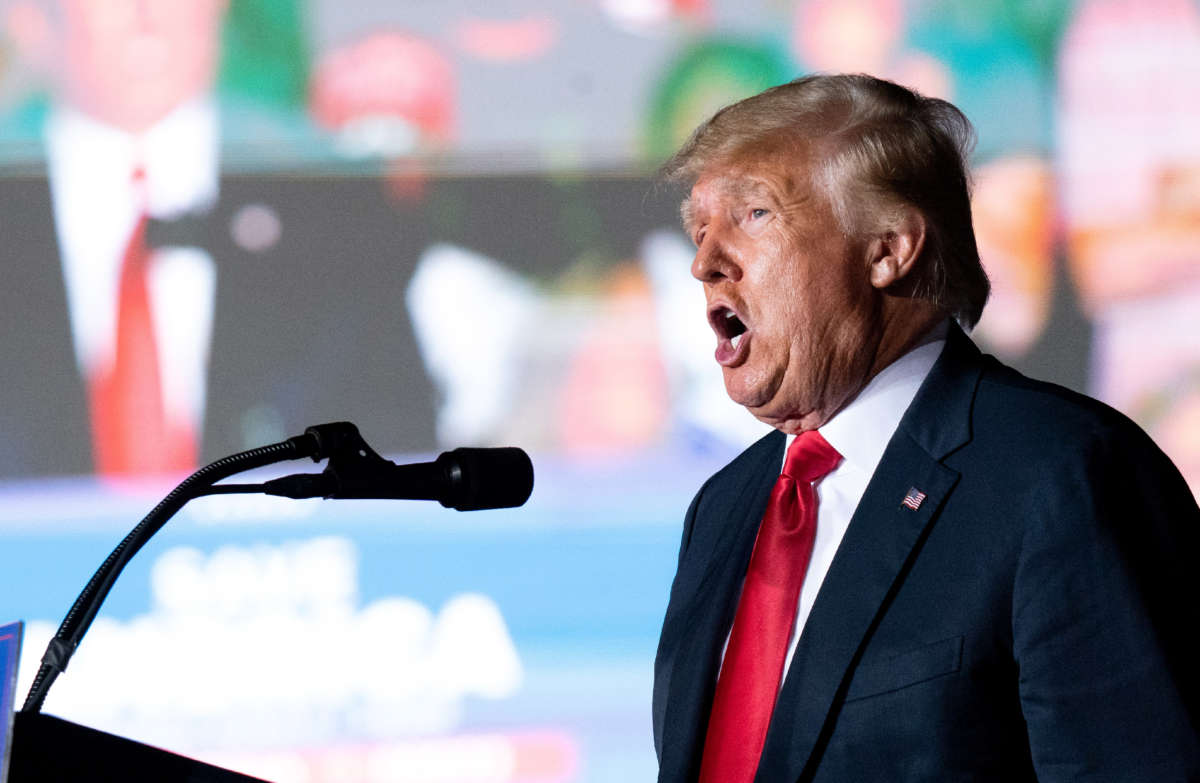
{"points": [[797, 321], [130, 62]]}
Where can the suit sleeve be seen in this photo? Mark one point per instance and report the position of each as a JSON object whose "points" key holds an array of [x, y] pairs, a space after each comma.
{"points": [[661, 681], [1104, 605]]}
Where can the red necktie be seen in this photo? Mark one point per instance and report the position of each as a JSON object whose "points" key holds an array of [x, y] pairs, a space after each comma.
{"points": [[766, 614], [130, 429]]}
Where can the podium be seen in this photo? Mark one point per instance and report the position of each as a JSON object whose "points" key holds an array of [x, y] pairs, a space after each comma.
{"points": [[48, 748]]}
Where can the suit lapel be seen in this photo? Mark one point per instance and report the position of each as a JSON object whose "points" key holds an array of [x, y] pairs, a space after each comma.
{"points": [[694, 633], [869, 565], [883, 539]]}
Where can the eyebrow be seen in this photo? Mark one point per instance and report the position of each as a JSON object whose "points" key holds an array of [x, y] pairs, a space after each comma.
{"points": [[743, 188], [687, 213], [740, 188]]}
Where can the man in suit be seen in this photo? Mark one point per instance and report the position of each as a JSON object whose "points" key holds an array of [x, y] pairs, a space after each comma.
{"points": [[268, 309], [308, 329], [960, 573]]}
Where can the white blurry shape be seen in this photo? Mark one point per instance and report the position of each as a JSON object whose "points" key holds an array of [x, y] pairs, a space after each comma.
{"points": [[472, 318], [177, 580], [317, 576], [326, 570], [698, 396], [255, 228], [264, 646], [472, 649], [234, 574], [402, 627], [393, 642], [1128, 105], [638, 16], [338, 764], [183, 285], [455, 760], [278, 571], [382, 135], [280, 766]]}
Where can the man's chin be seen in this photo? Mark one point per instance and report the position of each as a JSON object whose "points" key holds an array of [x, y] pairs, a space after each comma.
{"points": [[752, 398], [768, 410], [760, 406]]}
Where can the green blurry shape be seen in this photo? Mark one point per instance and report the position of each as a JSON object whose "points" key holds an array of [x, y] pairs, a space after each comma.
{"points": [[265, 54], [1039, 24], [708, 75], [998, 84]]}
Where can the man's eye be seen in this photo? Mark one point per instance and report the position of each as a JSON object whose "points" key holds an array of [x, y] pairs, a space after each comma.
{"points": [[758, 213]]}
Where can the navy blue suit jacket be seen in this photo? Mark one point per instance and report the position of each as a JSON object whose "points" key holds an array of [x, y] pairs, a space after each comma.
{"points": [[1029, 621]]}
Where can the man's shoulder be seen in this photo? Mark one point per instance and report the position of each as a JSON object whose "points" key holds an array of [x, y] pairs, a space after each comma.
{"points": [[1028, 432], [751, 460], [744, 473], [970, 397], [1046, 414]]}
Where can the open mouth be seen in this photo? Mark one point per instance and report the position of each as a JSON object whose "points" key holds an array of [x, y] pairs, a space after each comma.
{"points": [[731, 331]]}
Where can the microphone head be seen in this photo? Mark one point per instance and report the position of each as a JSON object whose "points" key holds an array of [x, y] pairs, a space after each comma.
{"points": [[486, 478]]}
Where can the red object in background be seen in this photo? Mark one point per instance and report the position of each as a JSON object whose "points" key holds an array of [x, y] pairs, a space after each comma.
{"points": [[406, 180], [131, 433], [615, 397], [506, 41], [692, 9], [387, 74]]}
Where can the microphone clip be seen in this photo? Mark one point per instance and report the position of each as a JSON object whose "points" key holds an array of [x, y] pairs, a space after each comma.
{"points": [[353, 468]]}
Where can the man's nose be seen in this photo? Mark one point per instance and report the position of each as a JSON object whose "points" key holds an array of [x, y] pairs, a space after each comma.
{"points": [[715, 261]]}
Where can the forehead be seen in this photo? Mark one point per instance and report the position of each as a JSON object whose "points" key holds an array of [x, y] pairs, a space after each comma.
{"points": [[779, 175]]}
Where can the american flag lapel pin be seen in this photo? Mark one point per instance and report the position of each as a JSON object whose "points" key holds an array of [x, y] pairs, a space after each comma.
{"points": [[913, 499]]}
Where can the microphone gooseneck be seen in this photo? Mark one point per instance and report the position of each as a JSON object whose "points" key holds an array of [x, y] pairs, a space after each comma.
{"points": [[463, 479], [71, 632]]}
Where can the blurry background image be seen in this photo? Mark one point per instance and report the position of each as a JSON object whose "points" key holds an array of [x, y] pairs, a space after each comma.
{"points": [[227, 220]]}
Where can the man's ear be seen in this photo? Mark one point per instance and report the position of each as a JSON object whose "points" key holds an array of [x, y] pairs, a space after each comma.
{"points": [[895, 250]]}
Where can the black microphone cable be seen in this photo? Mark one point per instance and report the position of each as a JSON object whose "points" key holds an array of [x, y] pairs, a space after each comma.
{"points": [[464, 479], [71, 632]]}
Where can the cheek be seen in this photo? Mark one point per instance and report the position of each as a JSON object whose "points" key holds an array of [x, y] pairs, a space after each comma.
{"points": [[781, 283]]}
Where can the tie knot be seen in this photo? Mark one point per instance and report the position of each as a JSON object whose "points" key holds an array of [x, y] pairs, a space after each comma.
{"points": [[810, 457], [138, 181]]}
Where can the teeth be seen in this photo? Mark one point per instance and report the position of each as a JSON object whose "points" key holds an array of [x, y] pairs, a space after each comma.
{"points": [[737, 340]]}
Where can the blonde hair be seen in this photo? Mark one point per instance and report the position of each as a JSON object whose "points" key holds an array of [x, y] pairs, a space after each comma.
{"points": [[878, 147]]}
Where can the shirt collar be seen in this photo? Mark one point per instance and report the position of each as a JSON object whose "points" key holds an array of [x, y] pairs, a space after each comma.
{"points": [[178, 155], [860, 432]]}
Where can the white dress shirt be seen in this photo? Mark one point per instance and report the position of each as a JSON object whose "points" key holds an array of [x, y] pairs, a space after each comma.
{"points": [[97, 206], [859, 432]]}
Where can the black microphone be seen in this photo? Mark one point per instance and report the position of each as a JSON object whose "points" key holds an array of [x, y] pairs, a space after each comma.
{"points": [[463, 479]]}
